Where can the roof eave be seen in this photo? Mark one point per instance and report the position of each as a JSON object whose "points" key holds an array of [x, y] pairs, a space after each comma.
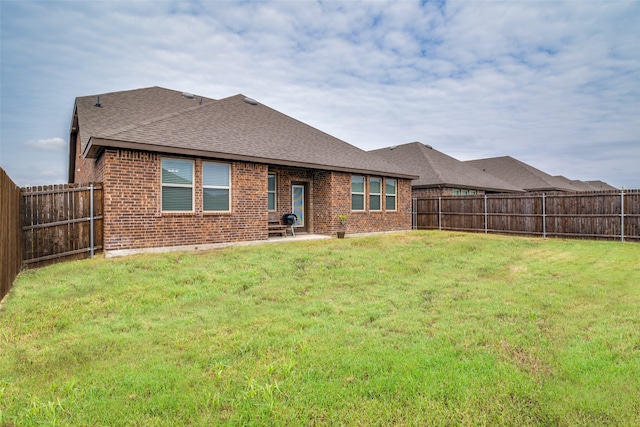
{"points": [[95, 146], [468, 187]]}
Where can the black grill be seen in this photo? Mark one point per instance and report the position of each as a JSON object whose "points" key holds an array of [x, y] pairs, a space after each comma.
{"points": [[289, 218]]}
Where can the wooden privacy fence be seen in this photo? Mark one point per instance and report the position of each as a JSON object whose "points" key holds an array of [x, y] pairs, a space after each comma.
{"points": [[61, 221], [10, 260], [592, 215]]}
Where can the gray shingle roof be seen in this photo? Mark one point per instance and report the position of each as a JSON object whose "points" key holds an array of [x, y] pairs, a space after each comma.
{"points": [[521, 174], [126, 108], [163, 120], [437, 169], [580, 185], [601, 185]]}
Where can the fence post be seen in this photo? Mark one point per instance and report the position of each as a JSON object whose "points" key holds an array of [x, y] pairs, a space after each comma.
{"points": [[622, 215], [91, 217], [414, 215], [544, 216], [439, 213], [486, 221]]}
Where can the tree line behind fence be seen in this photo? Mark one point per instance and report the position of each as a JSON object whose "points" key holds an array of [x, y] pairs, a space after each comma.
{"points": [[592, 215]]}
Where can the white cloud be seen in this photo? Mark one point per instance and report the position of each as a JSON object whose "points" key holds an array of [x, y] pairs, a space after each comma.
{"points": [[55, 144]]}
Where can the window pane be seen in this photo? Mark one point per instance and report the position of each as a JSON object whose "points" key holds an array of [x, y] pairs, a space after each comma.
{"points": [[272, 182], [375, 185], [357, 184], [391, 186], [357, 202], [272, 202], [176, 199], [374, 203], [215, 174], [177, 171], [391, 203], [215, 199]]}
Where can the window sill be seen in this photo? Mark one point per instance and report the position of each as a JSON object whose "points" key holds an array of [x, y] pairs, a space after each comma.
{"points": [[176, 213], [216, 213]]}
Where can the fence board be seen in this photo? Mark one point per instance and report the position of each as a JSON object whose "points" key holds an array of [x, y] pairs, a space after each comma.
{"points": [[55, 222], [10, 253], [594, 215]]}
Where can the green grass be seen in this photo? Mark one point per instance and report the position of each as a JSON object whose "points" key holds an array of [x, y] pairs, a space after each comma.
{"points": [[420, 328]]}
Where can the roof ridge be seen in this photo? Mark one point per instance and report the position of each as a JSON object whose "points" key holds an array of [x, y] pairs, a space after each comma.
{"points": [[421, 148], [540, 174], [123, 91]]}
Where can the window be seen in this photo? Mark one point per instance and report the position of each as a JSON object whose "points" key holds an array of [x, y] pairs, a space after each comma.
{"points": [[472, 192], [455, 192], [465, 192], [390, 194], [271, 191], [177, 185], [216, 187], [375, 194], [357, 193]]}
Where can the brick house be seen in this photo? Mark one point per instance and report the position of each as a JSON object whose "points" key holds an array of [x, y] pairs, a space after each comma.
{"points": [[185, 170], [440, 174]]}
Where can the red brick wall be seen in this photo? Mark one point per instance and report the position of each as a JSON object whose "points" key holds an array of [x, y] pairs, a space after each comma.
{"points": [[372, 221], [85, 169], [329, 194], [134, 217], [325, 200]]}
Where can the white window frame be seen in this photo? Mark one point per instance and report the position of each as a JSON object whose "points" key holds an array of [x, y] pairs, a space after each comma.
{"points": [[219, 187], [363, 193], [274, 192], [394, 195], [162, 184], [379, 195]]}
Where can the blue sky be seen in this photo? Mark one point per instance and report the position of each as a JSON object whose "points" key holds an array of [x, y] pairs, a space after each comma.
{"points": [[553, 84]]}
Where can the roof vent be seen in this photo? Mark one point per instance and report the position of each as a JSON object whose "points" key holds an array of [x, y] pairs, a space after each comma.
{"points": [[428, 146], [251, 101], [393, 147], [188, 95], [97, 104]]}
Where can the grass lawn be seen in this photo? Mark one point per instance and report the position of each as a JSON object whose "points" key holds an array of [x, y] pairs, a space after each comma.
{"points": [[419, 328]]}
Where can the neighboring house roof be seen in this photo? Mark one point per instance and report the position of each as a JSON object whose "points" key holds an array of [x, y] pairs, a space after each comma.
{"points": [[234, 128], [436, 169], [600, 185], [581, 185], [521, 174]]}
